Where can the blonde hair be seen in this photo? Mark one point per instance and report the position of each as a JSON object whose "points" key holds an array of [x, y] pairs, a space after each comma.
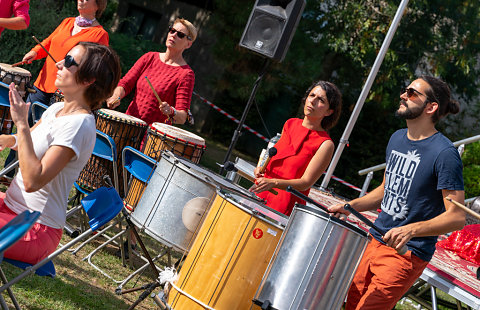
{"points": [[192, 31]]}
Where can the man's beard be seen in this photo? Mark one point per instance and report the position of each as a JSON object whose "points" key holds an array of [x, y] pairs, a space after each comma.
{"points": [[410, 113]]}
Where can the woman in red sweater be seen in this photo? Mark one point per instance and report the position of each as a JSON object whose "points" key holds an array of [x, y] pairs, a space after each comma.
{"points": [[171, 77], [68, 34], [304, 150]]}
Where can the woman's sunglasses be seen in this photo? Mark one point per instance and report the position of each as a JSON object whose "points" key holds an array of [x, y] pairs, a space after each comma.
{"points": [[180, 34], [69, 61]]}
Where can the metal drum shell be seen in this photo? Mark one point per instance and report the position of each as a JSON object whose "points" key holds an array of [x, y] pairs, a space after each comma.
{"points": [[229, 255], [314, 263], [174, 183]]}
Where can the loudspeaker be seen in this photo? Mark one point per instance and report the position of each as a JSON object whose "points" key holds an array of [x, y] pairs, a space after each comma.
{"points": [[271, 26]]}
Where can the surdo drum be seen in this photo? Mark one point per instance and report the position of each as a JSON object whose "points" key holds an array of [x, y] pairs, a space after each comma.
{"points": [[163, 137], [229, 255], [176, 198], [314, 263], [125, 130]]}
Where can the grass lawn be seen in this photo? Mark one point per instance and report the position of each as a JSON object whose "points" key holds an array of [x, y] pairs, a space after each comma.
{"points": [[79, 286]]}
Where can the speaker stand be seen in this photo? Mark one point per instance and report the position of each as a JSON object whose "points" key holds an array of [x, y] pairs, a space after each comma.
{"points": [[238, 131]]}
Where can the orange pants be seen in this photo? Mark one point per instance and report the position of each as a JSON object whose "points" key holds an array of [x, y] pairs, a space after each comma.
{"points": [[383, 277], [39, 242]]}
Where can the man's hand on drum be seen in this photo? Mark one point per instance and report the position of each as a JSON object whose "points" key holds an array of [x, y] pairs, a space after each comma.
{"points": [[18, 107], [262, 184], [338, 211], [165, 108], [29, 57]]}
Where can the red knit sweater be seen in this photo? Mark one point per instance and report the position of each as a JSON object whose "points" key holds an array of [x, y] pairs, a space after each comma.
{"points": [[174, 84]]}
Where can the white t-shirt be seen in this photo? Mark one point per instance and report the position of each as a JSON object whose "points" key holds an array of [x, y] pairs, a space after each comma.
{"points": [[77, 132]]}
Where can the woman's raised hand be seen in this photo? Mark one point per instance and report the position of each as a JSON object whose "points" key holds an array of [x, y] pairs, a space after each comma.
{"points": [[18, 107]]}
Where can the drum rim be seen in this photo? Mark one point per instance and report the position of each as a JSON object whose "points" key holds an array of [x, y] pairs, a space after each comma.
{"points": [[324, 214], [270, 220], [139, 123], [153, 129], [13, 70]]}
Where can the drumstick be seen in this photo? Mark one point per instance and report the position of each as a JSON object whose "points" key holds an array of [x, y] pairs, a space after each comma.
{"points": [[36, 40], [20, 63], [153, 89], [464, 208]]}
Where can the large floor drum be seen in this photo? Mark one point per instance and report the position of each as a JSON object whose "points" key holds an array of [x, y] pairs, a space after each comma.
{"points": [[314, 263], [229, 256], [176, 199]]}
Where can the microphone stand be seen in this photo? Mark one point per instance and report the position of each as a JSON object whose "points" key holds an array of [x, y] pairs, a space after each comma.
{"points": [[237, 132]]}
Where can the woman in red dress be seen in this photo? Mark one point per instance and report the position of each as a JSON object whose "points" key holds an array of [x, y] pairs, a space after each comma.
{"points": [[304, 150]]}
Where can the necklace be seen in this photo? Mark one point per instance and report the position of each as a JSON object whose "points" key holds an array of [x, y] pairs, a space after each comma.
{"points": [[68, 113]]}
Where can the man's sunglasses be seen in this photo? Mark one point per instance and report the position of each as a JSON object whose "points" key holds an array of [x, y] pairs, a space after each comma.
{"points": [[411, 92], [180, 34], [69, 61]]}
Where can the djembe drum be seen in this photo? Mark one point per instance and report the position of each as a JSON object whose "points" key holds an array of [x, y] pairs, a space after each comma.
{"points": [[162, 137], [125, 130]]}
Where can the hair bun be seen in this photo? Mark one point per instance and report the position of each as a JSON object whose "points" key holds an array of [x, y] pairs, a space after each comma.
{"points": [[453, 106]]}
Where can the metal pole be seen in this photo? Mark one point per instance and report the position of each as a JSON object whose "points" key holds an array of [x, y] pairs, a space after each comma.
{"points": [[364, 93]]}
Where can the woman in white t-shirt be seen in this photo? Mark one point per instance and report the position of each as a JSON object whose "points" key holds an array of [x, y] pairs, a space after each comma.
{"points": [[53, 152]]}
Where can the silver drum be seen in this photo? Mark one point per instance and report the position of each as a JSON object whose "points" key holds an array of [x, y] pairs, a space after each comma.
{"points": [[176, 199], [314, 263]]}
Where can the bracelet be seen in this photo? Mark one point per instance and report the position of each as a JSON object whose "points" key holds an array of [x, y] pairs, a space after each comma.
{"points": [[173, 113], [15, 145]]}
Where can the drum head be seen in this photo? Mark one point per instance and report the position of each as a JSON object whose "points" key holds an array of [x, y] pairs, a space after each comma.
{"points": [[15, 70], [177, 133], [193, 212], [120, 117]]}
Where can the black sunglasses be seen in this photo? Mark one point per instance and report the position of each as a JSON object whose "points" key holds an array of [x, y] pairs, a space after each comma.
{"points": [[69, 61], [180, 34], [412, 91]]}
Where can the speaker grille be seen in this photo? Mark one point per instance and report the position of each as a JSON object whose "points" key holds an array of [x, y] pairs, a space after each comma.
{"points": [[264, 33]]}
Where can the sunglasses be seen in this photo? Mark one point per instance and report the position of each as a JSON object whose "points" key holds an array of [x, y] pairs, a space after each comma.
{"points": [[69, 61], [412, 92], [180, 34]]}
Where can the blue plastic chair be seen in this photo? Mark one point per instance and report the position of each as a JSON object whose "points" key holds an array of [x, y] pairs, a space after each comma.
{"points": [[140, 166], [4, 99], [101, 206], [37, 109], [9, 234]]}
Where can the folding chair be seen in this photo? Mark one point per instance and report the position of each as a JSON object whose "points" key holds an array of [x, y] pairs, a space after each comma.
{"points": [[9, 234], [37, 109], [104, 148], [101, 206], [141, 167]]}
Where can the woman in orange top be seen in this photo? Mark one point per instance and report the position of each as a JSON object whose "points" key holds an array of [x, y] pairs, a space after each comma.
{"points": [[304, 150], [84, 27]]}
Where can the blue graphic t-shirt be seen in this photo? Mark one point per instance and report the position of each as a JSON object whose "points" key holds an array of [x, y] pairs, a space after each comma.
{"points": [[415, 175]]}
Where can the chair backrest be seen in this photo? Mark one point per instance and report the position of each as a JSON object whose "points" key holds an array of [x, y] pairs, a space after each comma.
{"points": [[37, 110], [101, 206], [4, 99], [16, 228], [105, 147], [139, 165]]}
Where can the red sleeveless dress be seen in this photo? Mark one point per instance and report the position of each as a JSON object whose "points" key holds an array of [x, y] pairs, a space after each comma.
{"points": [[295, 149]]}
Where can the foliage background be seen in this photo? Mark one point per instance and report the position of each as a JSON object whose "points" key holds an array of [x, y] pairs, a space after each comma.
{"points": [[336, 40]]}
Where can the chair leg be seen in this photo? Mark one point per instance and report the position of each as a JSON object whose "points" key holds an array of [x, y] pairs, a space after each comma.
{"points": [[10, 293]]}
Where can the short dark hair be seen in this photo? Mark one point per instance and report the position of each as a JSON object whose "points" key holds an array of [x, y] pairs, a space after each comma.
{"points": [[101, 4], [100, 64], [439, 92], [334, 97]]}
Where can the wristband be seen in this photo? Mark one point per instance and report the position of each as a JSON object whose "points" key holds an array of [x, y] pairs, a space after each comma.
{"points": [[173, 113], [15, 145]]}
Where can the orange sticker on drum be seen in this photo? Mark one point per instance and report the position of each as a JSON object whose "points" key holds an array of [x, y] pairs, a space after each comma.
{"points": [[257, 233]]}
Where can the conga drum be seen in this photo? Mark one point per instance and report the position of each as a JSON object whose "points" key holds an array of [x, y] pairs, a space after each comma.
{"points": [[176, 199], [125, 130], [162, 137], [19, 76], [229, 256], [314, 263]]}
